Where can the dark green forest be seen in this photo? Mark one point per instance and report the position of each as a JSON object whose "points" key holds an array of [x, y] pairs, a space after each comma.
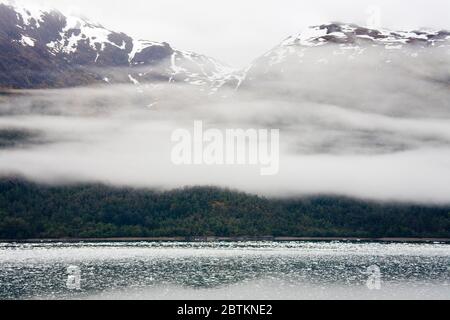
{"points": [[29, 210]]}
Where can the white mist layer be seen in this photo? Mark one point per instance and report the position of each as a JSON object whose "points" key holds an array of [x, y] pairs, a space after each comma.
{"points": [[376, 130]]}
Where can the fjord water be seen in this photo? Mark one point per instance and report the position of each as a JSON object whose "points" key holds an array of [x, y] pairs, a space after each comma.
{"points": [[225, 270]]}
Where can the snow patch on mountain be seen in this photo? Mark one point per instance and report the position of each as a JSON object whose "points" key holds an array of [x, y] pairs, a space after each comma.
{"points": [[27, 41], [353, 34], [31, 16]]}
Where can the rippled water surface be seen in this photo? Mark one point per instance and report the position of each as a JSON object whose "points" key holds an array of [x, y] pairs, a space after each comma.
{"points": [[225, 270]]}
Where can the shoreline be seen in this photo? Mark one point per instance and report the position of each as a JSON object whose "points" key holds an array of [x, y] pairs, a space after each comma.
{"points": [[230, 239]]}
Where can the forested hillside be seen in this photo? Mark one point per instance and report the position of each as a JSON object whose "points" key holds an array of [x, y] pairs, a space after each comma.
{"points": [[28, 210]]}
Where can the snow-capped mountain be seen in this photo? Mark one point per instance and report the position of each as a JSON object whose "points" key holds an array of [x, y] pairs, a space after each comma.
{"points": [[354, 68], [342, 43], [45, 48]]}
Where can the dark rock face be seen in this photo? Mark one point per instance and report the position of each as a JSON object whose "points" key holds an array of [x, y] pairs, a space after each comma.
{"points": [[43, 49], [49, 29], [153, 55]]}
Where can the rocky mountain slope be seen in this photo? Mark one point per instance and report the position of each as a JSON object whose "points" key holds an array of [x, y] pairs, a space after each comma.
{"points": [[44, 48], [339, 43]]}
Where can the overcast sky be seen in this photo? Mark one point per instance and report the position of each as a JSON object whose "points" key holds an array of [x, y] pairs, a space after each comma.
{"points": [[237, 31]]}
